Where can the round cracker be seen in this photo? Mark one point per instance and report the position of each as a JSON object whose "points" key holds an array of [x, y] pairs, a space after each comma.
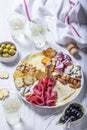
{"points": [[4, 74], [5, 92], [1, 94]]}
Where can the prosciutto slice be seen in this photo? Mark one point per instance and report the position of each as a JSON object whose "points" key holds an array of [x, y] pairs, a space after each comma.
{"points": [[43, 93], [62, 61]]}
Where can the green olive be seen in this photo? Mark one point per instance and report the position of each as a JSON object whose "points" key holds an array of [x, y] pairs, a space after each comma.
{"points": [[5, 50], [13, 47], [3, 55], [6, 55], [9, 55], [12, 52], [8, 46], [3, 45], [1, 50]]}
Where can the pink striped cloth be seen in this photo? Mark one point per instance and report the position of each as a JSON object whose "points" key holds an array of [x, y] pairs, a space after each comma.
{"points": [[66, 19]]}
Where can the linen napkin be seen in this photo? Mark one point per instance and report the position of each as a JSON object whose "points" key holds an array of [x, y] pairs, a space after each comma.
{"points": [[66, 19]]}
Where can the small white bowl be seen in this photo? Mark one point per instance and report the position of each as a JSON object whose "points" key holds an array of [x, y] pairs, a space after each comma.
{"points": [[76, 121], [9, 59]]}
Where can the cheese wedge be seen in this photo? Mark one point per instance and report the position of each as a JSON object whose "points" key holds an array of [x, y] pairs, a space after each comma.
{"points": [[63, 91]]}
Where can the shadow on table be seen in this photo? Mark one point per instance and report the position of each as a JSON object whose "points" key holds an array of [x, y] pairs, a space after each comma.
{"points": [[84, 50], [58, 110], [18, 126], [45, 111]]}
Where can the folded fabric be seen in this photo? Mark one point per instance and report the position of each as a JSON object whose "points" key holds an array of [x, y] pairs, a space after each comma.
{"points": [[66, 19]]}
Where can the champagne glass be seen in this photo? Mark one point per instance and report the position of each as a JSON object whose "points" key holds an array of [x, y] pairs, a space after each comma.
{"points": [[12, 110]]}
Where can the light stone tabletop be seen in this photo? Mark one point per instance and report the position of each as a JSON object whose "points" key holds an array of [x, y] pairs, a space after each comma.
{"points": [[35, 118]]}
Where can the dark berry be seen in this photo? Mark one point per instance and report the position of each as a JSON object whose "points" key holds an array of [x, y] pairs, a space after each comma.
{"points": [[74, 111], [70, 108], [79, 115], [62, 120], [73, 118], [67, 112]]}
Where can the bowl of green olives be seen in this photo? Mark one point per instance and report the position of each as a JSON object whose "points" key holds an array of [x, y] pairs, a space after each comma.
{"points": [[8, 51]]}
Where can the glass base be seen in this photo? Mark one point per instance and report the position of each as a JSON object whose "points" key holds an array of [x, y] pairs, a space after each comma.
{"points": [[39, 45], [18, 126]]}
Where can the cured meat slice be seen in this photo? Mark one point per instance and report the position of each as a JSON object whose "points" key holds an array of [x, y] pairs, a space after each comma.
{"points": [[59, 56], [62, 61], [43, 93], [50, 102], [59, 65], [36, 100]]}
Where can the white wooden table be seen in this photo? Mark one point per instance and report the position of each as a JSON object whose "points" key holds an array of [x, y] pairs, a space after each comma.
{"points": [[34, 119]]}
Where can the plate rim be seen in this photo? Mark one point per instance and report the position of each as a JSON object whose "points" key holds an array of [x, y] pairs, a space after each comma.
{"points": [[56, 106]]}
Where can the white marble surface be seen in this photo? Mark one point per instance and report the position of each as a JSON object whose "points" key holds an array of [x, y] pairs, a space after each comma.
{"points": [[32, 118]]}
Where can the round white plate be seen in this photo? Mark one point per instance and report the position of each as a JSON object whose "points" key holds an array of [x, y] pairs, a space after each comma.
{"points": [[64, 102]]}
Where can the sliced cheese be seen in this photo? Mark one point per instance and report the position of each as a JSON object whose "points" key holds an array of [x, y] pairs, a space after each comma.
{"points": [[36, 60], [63, 91]]}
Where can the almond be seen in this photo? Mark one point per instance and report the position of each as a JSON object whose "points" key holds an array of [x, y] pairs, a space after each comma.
{"points": [[71, 80], [78, 79], [72, 86], [62, 81], [67, 77], [64, 78], [75, 82], [78, 84]]}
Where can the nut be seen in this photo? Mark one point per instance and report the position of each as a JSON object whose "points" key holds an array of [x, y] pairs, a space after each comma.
{"points": [[67, 77], [72, 86], [78, 84], [63, 77], [62, 81], [71, 80], [74, 82], [78, 79]]}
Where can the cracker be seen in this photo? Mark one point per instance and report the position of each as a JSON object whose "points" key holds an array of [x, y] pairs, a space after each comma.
{"points": [[46, 59], [4, 74], [19, 82], [17, 73], [1, 94], [49, 52], [40, 75], [5, 92], [28, 79]]}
